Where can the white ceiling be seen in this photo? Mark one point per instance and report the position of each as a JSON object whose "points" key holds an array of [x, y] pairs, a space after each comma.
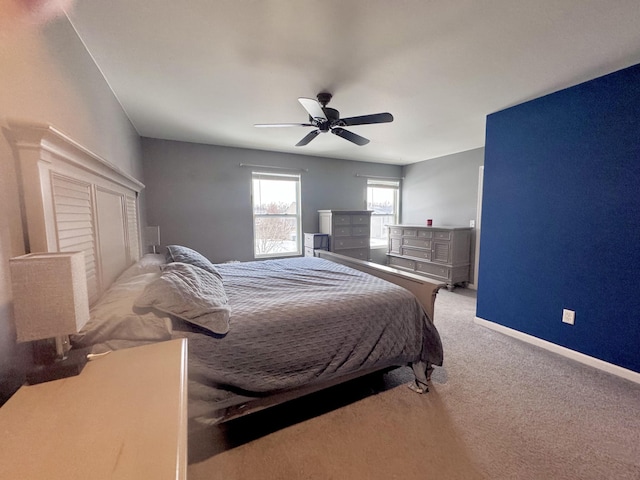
{"points": [[205, 71]]}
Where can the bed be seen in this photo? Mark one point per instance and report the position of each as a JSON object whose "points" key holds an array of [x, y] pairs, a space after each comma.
{"points": [[259, 333], [263, 332]]}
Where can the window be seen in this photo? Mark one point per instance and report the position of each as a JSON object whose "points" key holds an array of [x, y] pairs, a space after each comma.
{"points": [[276, 215], [383, 198]]}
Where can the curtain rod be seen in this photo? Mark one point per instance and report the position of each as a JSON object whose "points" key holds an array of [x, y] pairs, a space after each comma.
{"points": [[380, 178], [250, 165]]}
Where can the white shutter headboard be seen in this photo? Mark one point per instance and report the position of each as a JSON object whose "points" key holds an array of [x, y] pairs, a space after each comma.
{"points": [[72, 199]]}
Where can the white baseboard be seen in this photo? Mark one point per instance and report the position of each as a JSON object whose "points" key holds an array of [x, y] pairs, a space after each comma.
{"points": [[566, 352]]}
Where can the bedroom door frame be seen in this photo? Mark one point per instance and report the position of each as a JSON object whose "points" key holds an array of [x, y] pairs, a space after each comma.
{"points": [[476, 259]]}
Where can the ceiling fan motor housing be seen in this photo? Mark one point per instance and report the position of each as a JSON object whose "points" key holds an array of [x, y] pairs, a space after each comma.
{"points": [[324, 98], [332, 115]]}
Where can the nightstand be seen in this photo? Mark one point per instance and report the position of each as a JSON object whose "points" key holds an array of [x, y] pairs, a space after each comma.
{"points": [[123, 417], [315, 241]]}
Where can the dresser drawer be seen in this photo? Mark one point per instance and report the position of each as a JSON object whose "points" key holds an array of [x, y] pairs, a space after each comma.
{"points": [[442, 235], [360, 230], [308, 252], [402, 262], [409, 232], [417, 242], [425, 233], [416, 253], [360, 219], [350, 242], [342, 231], [341, 219], [433, 269], [396, 231], [359, 253]]}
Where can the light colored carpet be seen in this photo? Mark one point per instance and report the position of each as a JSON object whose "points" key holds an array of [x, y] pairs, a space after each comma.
{"points": [[498, 409]]}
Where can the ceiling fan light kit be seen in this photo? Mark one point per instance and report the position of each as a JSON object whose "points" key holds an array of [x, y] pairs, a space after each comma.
{"points": [[326, 119]]}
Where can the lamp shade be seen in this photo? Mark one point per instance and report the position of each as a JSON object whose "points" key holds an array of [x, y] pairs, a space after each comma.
{"points": [[50, 296], [152, 235]]}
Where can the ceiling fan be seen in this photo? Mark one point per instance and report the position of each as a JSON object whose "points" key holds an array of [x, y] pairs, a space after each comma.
{"points": [[327, 119]]}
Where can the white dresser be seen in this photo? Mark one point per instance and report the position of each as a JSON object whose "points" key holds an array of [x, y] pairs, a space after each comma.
{"points": [[441, 253], [349, 231]]}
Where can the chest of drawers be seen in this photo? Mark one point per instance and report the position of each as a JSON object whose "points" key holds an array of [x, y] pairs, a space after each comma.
{"points": [[349, 231], [442, 253]]}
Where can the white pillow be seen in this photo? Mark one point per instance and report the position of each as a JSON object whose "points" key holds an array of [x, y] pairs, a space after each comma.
{"points": [[149, 263], [114, 317]]}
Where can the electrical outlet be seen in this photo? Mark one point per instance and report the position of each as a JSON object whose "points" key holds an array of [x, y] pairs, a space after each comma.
{"points": [[472, 223], [568, 316]]}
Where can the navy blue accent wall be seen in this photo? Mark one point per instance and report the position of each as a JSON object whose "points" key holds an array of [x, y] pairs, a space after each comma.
{"points": [[561, 218]]}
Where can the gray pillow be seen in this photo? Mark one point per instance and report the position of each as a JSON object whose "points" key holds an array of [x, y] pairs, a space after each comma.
{"points": [[178, 253], [190, 293]]}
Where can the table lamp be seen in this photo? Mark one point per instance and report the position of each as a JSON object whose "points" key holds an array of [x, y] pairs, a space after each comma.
{"points": [[50, 302]]}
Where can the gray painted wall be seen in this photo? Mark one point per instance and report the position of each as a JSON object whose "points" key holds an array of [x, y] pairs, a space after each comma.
{"points": [[200, 196], [444, 189]]}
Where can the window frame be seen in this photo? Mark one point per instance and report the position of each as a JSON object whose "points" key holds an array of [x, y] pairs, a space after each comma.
{"points": [[297, 179], [386, 183]]}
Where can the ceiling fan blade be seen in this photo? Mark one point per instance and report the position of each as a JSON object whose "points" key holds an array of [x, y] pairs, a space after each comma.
{"points": [[261, 125], [313, 108], [308, 137], [352, 137], [367, 119]]}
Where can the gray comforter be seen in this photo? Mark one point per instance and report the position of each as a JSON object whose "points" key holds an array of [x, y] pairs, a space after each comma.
{"points": [[304, 320]]}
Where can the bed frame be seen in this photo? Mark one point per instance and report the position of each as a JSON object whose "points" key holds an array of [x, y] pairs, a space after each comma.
{"points": [[423, 288], [72, 199]]}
